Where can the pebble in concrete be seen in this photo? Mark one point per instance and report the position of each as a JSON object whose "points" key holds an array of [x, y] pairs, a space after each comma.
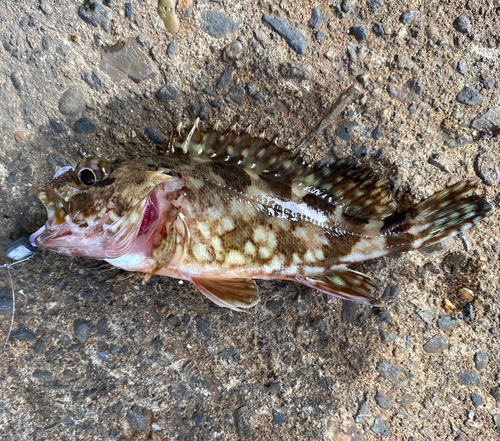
{"points": [[295, 39]]}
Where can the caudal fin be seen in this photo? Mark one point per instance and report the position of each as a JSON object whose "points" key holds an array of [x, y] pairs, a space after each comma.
{"points": [[444, 214]]}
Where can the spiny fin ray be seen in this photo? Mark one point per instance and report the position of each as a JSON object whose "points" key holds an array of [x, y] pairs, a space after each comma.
{"points": [[359, 191], [344, 284]]}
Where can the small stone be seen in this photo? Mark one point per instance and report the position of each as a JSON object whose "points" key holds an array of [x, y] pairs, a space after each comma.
{"points": [[462, 67], [378, 30], [153, 135], [298, 72], [274, 306], [409, 16], [82, 330], [172, 49], [46, 8], [216, 24], [391, 292], [347, 5], [93, 13], [22, 334], [56, 126], [168, 92], [387, 337], [467, 378], [236, 94], [436, 344], [317, 17], [486, 122], [84, 125], [345, 130], [428, 316], [403, 63], [488, 83], [94, 80], [462, 24], [20, 248], [469, 96], [137, 417], [295, 39], [496, 417], [363, 412], [480, 359], [20, 136], [446, 323], [477, 399], [278, 418], [416, 86], [17, 80], [383, 400], [358, 32], [373, 5], [72, 102], [126, 59], [225, 78], [232, 52], [129, 10], [495, 392], [440, 161], [320, 35], [486, 167], [6, 301], [395, 374], [7, 46], [380, 426], [203, 327]]}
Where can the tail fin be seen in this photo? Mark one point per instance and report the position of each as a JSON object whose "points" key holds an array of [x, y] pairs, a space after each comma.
{"points": [[444, 214]]}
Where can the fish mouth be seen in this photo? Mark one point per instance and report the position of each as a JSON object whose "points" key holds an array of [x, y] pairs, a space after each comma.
{"points": [[103, 239]]}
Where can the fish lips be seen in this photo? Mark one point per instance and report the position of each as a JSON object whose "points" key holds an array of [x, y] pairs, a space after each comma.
{"points": [[98, 241]]}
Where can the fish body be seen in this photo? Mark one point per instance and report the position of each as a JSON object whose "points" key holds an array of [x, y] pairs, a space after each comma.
{"points": [[220, 210]]}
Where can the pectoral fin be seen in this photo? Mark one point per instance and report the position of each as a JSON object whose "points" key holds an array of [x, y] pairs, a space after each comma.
{"points": [[236, 294], [344, 284]]}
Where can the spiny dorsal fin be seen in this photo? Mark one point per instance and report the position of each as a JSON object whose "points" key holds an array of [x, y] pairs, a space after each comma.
{"points": [[359, 191]]}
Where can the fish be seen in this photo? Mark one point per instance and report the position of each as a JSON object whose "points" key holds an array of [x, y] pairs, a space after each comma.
{"points": [[222, 209]]}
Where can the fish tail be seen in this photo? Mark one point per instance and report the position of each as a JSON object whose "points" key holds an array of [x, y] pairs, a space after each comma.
{"points": [[444, 214]]}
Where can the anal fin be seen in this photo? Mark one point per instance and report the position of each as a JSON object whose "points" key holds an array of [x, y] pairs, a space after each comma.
{"points": [[236, 294], [344, 284]]}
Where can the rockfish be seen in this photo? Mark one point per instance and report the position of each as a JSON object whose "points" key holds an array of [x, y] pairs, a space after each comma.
{"points": [[222, 209]]}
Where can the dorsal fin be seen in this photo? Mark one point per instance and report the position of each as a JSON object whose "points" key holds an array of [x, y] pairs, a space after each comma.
{"points": [[358, 190]]}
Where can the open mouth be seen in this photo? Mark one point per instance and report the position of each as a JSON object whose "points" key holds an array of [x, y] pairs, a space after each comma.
{"points": [[150, 215]]}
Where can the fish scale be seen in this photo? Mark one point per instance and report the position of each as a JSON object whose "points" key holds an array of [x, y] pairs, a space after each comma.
{"points": [[222, 209]]}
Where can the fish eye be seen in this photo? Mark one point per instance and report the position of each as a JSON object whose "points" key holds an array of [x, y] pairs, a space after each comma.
{"points": [[87, 177], [91, 171]]}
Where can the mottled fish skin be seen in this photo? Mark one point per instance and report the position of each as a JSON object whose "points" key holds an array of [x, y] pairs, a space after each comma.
{"points": [[221, 209]]}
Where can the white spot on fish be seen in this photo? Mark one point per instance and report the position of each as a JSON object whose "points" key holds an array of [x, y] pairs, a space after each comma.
{"points": [[235, 258], [201, 253], [250, 248], [319, 254], [260, 234], [264, 252], [367, 248], [217, 245], [204, 229], [228, 223], [301, 233], [309, 256]]}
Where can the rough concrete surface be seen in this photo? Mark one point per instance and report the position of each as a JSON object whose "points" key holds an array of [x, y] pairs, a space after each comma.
{"points": [[92, 357]]}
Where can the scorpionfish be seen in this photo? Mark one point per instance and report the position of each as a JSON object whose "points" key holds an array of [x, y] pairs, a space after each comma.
{"points": [[222, 209]]}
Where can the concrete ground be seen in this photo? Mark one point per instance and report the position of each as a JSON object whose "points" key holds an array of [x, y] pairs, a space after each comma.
{"points": [[92, 357]]}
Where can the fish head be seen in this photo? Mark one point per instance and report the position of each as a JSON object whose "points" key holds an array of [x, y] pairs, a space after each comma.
{"points": [[98, 208]]}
